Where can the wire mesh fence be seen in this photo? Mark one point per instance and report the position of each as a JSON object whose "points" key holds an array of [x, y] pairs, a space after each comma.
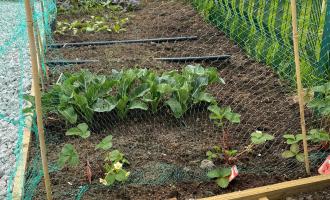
{"points": [[195, 86]]}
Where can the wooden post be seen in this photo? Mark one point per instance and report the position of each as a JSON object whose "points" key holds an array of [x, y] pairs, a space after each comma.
{"points": [[299, 84], [35, 77]]}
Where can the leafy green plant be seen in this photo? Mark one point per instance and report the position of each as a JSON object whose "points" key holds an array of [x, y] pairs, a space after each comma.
{"points": [[318, 136], [218, 115], [81, 130], [105, 144], [258, 137], [129, 93], [92, 25], [189, 87], [294, 152], [80, 95], [68, 156], [159, 89], [115, 161], [293, 139], [321, 101], [221, 176]]}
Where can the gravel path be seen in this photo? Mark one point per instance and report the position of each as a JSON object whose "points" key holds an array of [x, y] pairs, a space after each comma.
{"points": [[14, 79]]}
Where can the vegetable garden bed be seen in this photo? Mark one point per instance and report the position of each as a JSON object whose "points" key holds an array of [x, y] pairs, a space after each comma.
{"points": [[165, 150]]}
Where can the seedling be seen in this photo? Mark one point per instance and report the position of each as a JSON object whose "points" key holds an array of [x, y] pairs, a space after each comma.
{"points": [[68, 156], [218, 115], [294, 152], [81, 130]]}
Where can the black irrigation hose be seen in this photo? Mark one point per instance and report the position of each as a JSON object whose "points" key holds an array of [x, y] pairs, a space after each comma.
{"points": [[99, 43], [195, 59], [68, 62]]}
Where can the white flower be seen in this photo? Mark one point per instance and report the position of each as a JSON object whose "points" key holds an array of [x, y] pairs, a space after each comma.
{"points": [[118, 166], [103, 181], [127, 174]]}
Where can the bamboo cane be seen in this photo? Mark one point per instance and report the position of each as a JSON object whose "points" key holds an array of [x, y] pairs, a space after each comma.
{"points": [[299, 84], [35, 77]]}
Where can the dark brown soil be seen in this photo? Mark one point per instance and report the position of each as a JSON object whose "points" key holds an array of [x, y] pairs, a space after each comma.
{"points": [[149, 141]]}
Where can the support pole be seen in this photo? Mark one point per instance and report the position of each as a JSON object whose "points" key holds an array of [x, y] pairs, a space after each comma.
{"points": [[35, 77], [299, 84]]}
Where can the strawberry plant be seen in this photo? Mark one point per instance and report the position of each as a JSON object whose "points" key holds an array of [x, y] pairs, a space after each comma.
{"points": [[322, 100], [68, 156], [293, 139], [219, 115], [294, 152], [81, 130], [318, 138], [221, 176]]}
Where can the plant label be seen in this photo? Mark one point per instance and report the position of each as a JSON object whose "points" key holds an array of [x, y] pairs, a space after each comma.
{"points": [[325, 167], [234, 173]]}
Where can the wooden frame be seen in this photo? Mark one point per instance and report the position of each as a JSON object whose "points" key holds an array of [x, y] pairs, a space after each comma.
{"points": [[279, 190]]}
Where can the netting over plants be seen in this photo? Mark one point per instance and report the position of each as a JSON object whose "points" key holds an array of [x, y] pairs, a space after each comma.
{"points": [[184, 92]]}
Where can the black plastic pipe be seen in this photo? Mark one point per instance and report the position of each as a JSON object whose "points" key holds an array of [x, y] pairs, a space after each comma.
{"points": [[68, 62], [195, 59], [99, 43]]}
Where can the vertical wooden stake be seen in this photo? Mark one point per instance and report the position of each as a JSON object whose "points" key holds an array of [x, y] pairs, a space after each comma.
{"points": [[299, 84], [35, 77]]}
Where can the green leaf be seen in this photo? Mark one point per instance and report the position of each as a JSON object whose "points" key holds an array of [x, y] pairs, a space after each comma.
{"points": [[103, 105], [224, 172], [204, 96], [105, 144], [214, 173], [110, 178], [222, 182], [267, 137], [300, 157], [233, 117], [68, 156], [69, 114], [83, 127], [175, 107], [164, 88], [81, 130], [116, 155], [121, 176], [137, 104], [288, 154], [257, 134], [294, 148], [215, 109], [256, 140], [289, 136], [139, 91]]}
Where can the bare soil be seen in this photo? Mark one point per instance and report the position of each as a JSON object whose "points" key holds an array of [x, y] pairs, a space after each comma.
{"points": [[153, 140]]}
